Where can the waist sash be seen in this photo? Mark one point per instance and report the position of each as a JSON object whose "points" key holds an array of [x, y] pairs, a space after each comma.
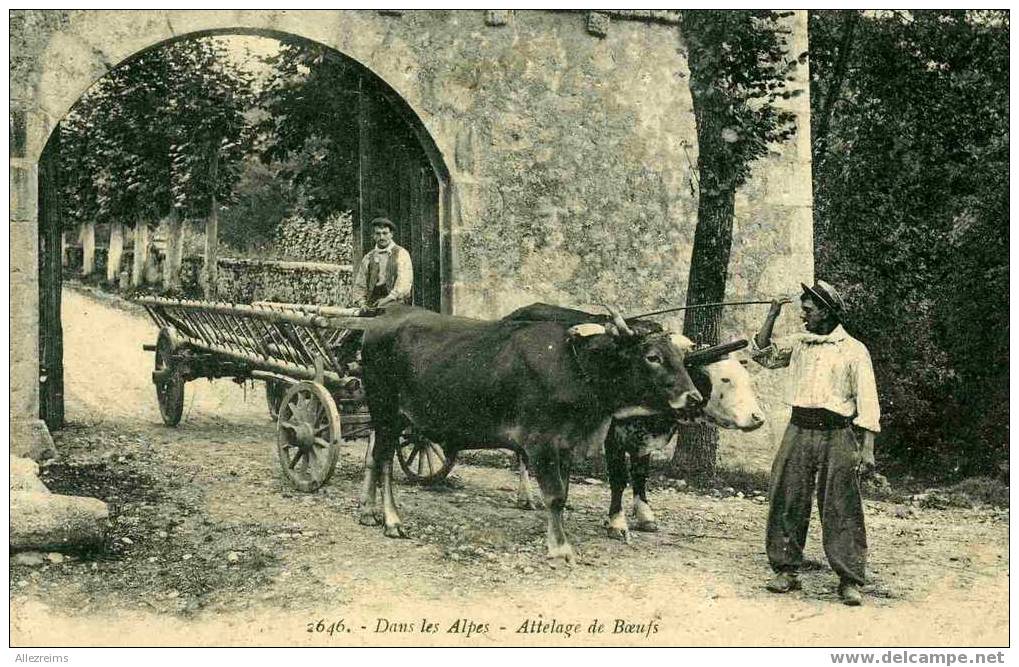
{"points": [[819, 419]]}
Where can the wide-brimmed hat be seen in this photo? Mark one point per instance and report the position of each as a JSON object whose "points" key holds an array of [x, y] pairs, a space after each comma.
{"points": [[383, 222], [826, 296]]}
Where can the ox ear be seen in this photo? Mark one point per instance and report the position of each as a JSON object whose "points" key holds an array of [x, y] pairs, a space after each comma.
{"points": [[682, 342]]}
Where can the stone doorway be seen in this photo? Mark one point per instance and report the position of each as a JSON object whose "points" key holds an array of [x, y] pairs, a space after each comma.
{"points": [[398, 172]]}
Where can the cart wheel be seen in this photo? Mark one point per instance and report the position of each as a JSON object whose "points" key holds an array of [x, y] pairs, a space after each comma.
{"points": [[422, 460], [307, 438], [168, 380], [274, 390]]}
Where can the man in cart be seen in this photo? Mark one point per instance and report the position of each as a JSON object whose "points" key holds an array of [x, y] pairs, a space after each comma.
{"points": [[831, 390], [385, 274]]}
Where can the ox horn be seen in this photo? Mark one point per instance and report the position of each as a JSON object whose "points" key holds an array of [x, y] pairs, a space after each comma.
{"points": [[711, 354], [618, 320]]}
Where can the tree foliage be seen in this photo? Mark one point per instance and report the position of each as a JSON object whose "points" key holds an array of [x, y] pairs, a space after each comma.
{"points": [[310, 128], [262, 199], [910, 117], [739, 65], [149, 135]]}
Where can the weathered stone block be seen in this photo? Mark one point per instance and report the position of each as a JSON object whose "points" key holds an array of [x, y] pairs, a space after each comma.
{"points": [[29, 437], [24, 375], [39, 127], [115, 37], [23, 259], [18, 133], [73, 66], [24, 179], [50, 522], [465, 150], [25, 475]]}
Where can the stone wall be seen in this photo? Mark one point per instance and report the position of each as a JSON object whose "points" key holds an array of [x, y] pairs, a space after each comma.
{"points": [[249, 280], [569, 139]]}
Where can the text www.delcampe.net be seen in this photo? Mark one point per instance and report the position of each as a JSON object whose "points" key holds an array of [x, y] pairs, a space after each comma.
{"points": [[918, 658]]}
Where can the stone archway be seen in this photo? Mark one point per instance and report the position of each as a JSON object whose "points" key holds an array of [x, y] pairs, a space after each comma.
{"points": [[80, 47]]}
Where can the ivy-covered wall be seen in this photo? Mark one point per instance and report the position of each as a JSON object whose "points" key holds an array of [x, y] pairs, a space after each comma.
{"points": [[249, 280]]}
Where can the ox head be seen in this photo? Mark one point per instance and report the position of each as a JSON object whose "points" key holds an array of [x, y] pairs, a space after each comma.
{"points": [[645, 367], [732, 402]]}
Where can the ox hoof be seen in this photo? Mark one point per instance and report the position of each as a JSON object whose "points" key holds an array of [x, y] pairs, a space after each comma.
{"points": [[564, 551], [395, 530], [528, 504], [647, 526], [369, 518], [619, 534]]}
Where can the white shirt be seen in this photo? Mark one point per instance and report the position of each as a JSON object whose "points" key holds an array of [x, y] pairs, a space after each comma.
{"points": [[833, 372], [404, 270]]}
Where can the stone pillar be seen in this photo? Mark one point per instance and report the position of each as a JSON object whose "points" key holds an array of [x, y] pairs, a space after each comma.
{"points": [[29, 435], [141, 252], [116, 251], [88, 248], [174, 250]]}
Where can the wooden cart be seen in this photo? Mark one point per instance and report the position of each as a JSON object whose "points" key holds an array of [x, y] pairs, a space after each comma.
{"points": [[308, 358]]}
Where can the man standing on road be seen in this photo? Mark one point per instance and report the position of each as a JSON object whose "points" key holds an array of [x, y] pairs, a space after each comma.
{"points": [[831, 389], [385, 274]]}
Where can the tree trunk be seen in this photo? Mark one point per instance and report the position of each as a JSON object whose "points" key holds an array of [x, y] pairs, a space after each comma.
{"points": [[212, 233], [697, 445], [709, 264], [115, 252], [88, 248], [211, 252], [141, 252], [831, 96], [174, 248]]}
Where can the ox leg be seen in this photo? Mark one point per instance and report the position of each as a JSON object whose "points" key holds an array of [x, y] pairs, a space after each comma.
{"points": [[552, 467], [370, 514], [615, 461], [525, 500], [393, 527], [640, 466]]}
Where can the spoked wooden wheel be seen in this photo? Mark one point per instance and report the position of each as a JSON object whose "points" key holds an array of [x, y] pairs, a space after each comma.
{"points": [[307, 436], [422, 460], [168, 380], [274, 390]]}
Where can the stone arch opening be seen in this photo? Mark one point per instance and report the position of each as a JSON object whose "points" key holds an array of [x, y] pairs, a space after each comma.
{"points": [[400, 173]]}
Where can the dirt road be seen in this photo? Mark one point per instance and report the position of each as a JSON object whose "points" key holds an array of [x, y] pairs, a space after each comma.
{"points": [[209, 548]]}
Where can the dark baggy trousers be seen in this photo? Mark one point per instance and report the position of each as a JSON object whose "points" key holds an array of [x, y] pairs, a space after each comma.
{"points": [[828, 457]]}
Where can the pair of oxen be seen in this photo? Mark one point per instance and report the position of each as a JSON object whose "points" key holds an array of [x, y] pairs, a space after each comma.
{"points": [[547, 382]]}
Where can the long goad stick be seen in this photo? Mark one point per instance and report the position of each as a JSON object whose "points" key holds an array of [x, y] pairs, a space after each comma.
{"points": [[696, 305]]}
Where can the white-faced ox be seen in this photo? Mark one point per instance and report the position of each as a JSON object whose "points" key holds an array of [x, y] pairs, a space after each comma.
{"points": [[542, 387], [731, 404]]}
